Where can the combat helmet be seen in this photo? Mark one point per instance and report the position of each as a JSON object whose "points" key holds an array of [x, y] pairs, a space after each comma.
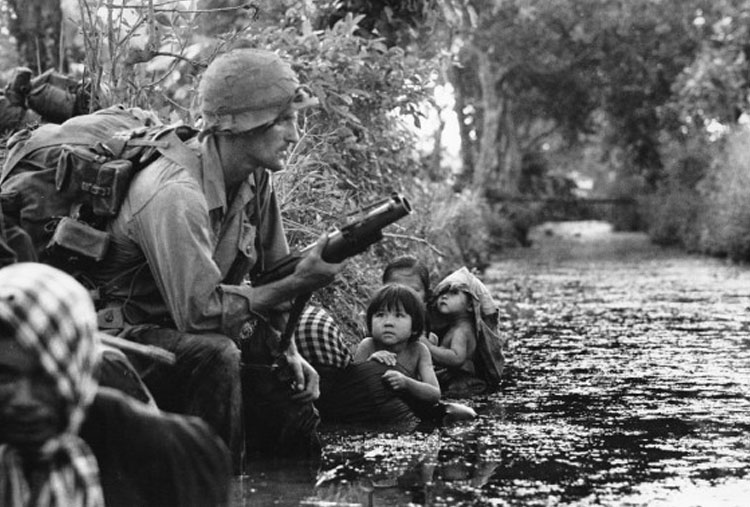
{"points": [[246, 88]]}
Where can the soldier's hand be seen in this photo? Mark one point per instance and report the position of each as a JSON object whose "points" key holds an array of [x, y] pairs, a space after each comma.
{"points": [[312, 271], [306, 381]]}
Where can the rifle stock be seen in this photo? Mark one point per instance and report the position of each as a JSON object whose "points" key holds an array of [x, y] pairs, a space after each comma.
{"points": [[352, 239]]}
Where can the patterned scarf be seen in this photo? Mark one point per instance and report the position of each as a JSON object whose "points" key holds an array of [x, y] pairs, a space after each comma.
{"points": [[53, 317]]}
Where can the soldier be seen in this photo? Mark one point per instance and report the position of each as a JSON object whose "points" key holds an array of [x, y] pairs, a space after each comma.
{"points": [[186, 241]]}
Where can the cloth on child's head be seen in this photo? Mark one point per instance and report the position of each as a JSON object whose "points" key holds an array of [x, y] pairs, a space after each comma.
{"points": [[490, 359], [464, 280]]}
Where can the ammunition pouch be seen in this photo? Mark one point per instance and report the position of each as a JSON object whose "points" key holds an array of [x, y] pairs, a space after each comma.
{"points": [[100, 181], [79, 240]]}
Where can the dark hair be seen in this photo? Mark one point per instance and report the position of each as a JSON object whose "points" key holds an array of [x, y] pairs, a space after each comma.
{"points": [[413, 264], [391, 297]]}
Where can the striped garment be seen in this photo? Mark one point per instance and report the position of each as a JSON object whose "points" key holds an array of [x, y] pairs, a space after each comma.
{"points": [[54, 318]]}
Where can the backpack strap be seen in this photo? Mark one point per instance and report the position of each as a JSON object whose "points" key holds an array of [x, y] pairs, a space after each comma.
{"points": [[166, 142], [171, 146]]}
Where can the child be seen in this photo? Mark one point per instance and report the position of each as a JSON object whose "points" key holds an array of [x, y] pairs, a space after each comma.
{"points": [[466, 306], [409, 271], [457, 347], [395, 322]]}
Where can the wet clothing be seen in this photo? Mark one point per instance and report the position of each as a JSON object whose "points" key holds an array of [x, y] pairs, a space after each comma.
{"points": [[355, 393], [455, 383], [358, 395], [116, 371], [277, 426], [205, 380], [154, 459], [178, 259]]}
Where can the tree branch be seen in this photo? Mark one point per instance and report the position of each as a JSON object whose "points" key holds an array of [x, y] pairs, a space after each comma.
{"points": [[416, 239]]}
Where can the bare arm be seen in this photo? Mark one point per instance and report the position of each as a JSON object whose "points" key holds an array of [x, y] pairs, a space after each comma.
{"points": [[457, 353], [426, 388], [364, 349]]}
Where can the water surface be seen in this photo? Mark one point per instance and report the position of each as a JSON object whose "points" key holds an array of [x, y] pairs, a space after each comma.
{"points": [[628, 384]]}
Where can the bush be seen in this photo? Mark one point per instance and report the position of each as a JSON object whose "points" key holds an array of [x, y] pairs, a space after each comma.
{"points": [[459, 228], [727, 197], [355, 149], [675, 211], [672, 214], [704, 203]]}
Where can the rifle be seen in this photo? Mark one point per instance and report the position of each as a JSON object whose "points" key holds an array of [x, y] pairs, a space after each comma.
{"points": [[352, 239]]}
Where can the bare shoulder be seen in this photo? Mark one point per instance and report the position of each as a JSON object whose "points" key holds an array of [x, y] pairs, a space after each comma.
{"points": [[364, 349], [462, 330], [367, 343], [420, 349]]}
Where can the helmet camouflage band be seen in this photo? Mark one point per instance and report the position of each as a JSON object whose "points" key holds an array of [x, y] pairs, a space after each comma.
{"points": [[246, 88]]}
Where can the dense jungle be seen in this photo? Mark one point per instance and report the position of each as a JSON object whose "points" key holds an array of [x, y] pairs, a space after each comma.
{"points": [[484, 113], [495, 118]]}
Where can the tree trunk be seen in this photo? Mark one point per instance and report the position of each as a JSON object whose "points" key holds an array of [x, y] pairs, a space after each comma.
{"points": [[458, 80], [36, 28], [435, 169], [487, 159], [509, 168]]}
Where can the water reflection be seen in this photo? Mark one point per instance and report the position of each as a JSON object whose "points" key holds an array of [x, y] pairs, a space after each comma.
{"points": [[629, 385]]}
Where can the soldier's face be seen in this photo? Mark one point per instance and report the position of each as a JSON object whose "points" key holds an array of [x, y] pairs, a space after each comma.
{"points": [[269, 146], [31, 409], [264, 147]]}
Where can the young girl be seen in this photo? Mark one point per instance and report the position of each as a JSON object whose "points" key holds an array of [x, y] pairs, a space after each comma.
{"points": [[395, 322], [409, 271]]}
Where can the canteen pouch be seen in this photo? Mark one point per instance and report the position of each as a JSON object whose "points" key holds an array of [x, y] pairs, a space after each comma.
{"points": [[101, 183], [80, 238]]}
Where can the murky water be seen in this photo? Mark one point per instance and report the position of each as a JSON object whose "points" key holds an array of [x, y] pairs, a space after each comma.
{"points": [[628, 384]]}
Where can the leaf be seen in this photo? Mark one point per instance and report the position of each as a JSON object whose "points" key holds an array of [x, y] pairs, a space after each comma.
{"points": [[163, 19]]}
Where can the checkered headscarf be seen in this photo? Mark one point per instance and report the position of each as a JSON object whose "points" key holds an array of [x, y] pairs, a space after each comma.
{"points": [[53, 317], [319, 339]]}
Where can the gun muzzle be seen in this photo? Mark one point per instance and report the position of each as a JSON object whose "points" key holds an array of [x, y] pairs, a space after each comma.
{"points": [[355, 237], [352, 239]]}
